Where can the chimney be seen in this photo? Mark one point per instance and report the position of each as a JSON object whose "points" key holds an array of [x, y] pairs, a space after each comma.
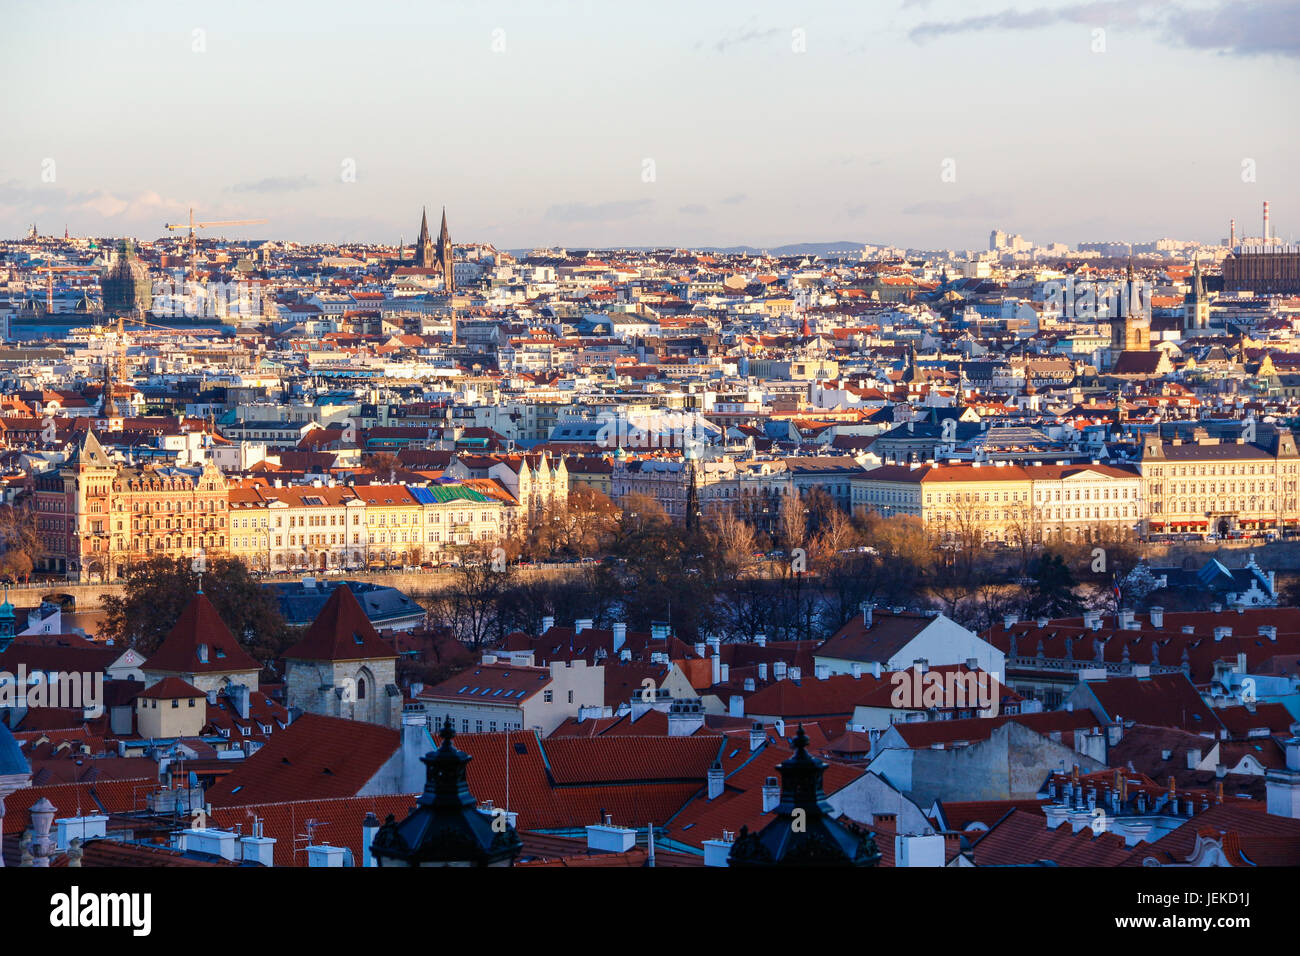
{"points": [[1126, 621], [757, 736], [1269, 631], [822, 671], [1056, 814], [620, 636], [548, 622], [1042, 621], [1157, 617], [715, 645], [856, 670], [715, 669], [795, 673], [715, 781], [762, 671], [736, 706], [760, 640], [866, 615], [582, 624], [1221, 632], [724, 672], [875, 669], [1266, 239], [700, 648], [239, 697], [779, 670], [260, 849], [1008, 620], [771, 794], [327, 856], [921, 664]]}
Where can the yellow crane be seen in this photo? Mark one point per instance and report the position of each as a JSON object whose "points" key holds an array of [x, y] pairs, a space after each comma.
{"points": [[192, 225]]}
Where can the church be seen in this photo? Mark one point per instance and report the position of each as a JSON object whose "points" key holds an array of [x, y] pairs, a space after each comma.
{"points": [[436, 256]]}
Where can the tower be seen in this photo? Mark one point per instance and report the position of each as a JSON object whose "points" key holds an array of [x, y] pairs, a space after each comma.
{"points": [[424, 255], [803, 831], [446, 828], [1196, 309], [6, 622], [445, 255]]}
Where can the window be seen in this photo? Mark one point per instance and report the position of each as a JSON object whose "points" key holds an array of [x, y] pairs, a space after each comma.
{"points": [[175, 704], [547, 696]]}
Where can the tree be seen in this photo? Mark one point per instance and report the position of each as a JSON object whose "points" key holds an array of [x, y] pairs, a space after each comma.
{"points": [[470, 607], [1052, 592], [156, 592], [20, 543]]}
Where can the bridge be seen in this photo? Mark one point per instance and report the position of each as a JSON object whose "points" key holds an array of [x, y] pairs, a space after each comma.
{"points": [[88, 597]]}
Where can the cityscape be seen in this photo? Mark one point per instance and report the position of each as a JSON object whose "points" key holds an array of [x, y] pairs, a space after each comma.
{"points": [[406, 541]]}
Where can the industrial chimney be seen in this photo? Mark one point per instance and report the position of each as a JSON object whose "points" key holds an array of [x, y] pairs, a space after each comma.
{"points": [[1266, 240]]}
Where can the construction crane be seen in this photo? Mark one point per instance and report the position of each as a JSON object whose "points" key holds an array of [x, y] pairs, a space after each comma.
{"points": [[192, 225], [49, 280]]}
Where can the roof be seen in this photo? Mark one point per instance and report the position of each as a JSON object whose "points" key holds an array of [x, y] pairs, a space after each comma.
{"points": [[887, 636], [1160, 700], [1022, 837], [12, 760], [170, 688], [341, 632], [314, 757], [199, 626]]}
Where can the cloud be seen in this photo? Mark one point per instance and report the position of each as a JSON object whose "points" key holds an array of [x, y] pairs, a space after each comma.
{"points": [[275, 184], [734, 199], [598, 212], [1242, 27], [748, 35], [972, 207], [693, 209]]}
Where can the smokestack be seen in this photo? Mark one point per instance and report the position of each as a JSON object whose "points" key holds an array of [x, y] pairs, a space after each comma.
{"points": [[1266, 222], [1232, 233]]}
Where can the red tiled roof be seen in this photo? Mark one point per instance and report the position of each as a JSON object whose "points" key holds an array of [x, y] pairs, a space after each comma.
{"points": [[341, 632], [314, 757], [199, 624], [171, 688], [1022, 837]]}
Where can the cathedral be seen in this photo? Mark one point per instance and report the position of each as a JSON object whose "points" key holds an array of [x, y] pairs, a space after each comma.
{"points": [[437, 257]]}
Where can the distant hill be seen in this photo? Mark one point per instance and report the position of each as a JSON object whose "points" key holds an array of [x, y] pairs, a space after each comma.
{"points": [[789, 249]]}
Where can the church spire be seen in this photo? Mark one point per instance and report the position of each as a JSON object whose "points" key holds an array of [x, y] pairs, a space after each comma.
{"points": [[424, 255]]}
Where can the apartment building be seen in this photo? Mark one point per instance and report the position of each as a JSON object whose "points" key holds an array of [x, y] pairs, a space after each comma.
{"points": [[1001, 502], [497, 697], [1209, 485], [96, 518]]}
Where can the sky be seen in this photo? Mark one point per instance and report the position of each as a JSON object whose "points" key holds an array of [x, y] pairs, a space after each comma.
{"points": [[919, 123]]}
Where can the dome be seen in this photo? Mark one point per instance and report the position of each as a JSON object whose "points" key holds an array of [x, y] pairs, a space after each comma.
{"points": [[125, 281], [12, 761]]}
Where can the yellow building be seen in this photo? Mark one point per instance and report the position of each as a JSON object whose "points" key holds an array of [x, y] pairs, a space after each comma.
{"points": [[170, 708], [997, 502], [1207, 486]]}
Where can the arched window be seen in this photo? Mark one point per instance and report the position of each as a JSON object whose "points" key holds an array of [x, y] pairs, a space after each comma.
{"points": [[361, 688]]}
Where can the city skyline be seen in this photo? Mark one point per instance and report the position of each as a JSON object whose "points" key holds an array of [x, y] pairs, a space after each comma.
{"points": [[565, 124]]}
